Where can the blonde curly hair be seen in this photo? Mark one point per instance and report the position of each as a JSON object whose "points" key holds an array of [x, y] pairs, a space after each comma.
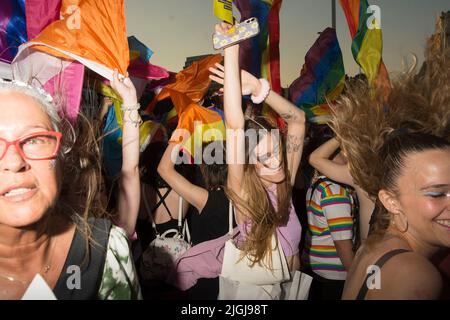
{"points": [[377, 133]]}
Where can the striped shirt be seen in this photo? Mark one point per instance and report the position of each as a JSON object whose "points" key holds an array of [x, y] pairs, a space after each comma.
{"points": [[329, 211]]}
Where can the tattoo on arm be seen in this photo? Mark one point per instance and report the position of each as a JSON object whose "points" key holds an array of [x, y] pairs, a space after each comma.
{"points": [[288, 116], [293, 143]]}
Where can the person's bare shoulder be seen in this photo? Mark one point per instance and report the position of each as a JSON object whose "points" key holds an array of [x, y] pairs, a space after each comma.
{"points": [[408, 276]]}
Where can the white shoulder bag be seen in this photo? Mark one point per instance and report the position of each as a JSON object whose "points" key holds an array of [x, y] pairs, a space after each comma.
{"points": [[241, 281]]}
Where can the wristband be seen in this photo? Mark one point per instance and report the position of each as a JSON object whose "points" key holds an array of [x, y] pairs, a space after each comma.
{"points": [[265, 90], [137, 106]]}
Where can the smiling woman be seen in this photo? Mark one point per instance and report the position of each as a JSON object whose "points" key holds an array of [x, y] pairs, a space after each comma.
{"points": [[399, 152], [48, 182]]}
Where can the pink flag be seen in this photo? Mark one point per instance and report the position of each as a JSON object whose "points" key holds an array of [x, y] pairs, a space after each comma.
{"points": [[39, 14], [66, 88]]}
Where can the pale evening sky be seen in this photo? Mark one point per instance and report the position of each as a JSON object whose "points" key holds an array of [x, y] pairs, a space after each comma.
{"points": [[176, 29]]}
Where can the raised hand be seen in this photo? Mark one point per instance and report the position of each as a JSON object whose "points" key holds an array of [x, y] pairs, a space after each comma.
{"points": [[125, 88], [249, 83], [223, 27]]}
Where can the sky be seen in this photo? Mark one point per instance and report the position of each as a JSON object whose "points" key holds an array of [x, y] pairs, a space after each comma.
{"points": [[176, 29]]}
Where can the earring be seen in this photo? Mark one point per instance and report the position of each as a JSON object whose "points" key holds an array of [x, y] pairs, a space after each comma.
{"points": [[402, 223]]}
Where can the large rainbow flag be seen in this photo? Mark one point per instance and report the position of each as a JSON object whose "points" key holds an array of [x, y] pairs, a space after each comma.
{"points": [[367, 45], [261, 55], [322, 78]]}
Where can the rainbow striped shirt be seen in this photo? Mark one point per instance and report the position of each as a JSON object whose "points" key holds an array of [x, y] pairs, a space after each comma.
{"points": [[329, 211]]}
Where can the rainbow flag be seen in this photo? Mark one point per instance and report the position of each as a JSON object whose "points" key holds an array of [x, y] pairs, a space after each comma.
{"points": [[261, 55], [322, 78], [196, 124], [192, 81], [367, 45]]}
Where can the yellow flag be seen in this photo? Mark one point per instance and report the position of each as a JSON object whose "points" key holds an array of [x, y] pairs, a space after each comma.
{"points": [[223, 9]]}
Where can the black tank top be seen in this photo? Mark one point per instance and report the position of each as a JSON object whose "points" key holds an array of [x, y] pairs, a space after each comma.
{"points": [[91, 263], [380, 262], [212, 222]]}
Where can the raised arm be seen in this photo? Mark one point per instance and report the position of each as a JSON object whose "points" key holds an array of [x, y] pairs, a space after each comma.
{"points": [[234, 117], [129, 183], [233, 91], [193, 194], [320, 160], [295, 119]]}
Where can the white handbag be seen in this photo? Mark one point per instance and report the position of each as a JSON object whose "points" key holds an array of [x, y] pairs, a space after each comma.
{"points": [[241, 281]]}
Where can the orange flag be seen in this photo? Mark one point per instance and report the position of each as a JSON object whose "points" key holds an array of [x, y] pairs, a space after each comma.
{"points": [[192, 81], [196, 124], [92, 32]]}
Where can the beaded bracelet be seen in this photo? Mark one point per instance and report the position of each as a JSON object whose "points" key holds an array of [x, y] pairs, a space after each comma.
{"points": [[136, 107], [264, 93]]}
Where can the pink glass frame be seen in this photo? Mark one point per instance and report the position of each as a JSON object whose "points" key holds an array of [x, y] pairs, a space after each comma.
{"points": [[17, 142]]}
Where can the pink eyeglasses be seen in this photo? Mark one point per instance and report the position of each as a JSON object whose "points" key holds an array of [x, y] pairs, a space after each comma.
{"points": [[35, 146]]}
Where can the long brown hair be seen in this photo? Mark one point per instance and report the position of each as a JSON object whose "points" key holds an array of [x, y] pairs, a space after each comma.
{"points": [[257, 206], [79, 161]]}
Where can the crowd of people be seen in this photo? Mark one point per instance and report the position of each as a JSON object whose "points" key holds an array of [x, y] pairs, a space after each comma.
{"points": [[372, 191]]}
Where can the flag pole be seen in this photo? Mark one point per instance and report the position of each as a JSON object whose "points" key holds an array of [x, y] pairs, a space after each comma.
{"points": [[333, 14]]}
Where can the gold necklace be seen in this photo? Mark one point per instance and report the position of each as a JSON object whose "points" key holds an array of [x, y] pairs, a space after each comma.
{"points": [[43, 271]]}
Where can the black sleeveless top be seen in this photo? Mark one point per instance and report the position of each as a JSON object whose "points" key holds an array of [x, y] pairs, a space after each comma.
{"points": [[91, 263], [212, 222]]}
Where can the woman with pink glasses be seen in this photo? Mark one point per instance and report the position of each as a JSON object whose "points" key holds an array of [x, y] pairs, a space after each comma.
{"points": [[49, 173]]}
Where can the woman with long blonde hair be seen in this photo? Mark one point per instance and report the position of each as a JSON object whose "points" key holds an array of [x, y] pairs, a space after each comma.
{"points": [[261, 172]]}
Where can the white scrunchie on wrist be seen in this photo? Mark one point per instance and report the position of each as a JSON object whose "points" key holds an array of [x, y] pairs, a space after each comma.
{"points": [[265, 90]]}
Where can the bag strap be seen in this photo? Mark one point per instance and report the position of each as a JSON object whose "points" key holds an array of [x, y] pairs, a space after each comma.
{"points": [[230, 218], [147, 206], [183, 227]]}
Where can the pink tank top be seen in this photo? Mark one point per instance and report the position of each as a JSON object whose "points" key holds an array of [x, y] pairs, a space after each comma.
{"points": [[288, 234]]}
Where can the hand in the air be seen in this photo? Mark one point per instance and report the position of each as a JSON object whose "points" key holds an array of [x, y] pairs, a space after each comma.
{"points": [[250, 84], [125, 88]]}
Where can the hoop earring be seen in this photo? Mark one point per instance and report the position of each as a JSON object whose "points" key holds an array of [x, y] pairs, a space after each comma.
{"points": [[402, 223]]}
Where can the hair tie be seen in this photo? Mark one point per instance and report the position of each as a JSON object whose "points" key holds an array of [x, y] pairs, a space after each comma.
{"points": [[264, 93]]}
